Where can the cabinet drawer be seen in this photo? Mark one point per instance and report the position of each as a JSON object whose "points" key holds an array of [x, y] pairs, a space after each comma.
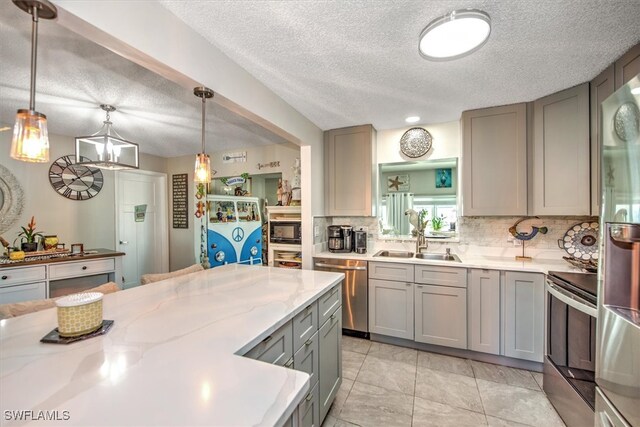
{"points": [[21, 293], [13, 276], [328, 303], [309, 409], [305, 324], [81, 268], [306, 359], [277, 348], [391, 271], [442, 276]]}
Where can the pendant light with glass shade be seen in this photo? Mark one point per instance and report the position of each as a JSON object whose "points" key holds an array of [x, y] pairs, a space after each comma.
{"points": [[202, 172], [106, 149], [30, 141]]}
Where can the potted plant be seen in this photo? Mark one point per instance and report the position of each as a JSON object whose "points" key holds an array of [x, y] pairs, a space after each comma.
{"points": [[28, 236], [437, 222]]}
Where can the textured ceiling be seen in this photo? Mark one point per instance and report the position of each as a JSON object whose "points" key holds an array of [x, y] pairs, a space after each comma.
{"points": [[75, 76], [343, 63]]}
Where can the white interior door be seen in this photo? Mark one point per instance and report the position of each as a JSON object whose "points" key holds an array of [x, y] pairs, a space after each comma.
{"points": [[145, 241]]}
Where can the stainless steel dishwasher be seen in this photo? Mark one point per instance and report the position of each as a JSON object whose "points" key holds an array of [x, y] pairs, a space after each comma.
{"points": [[355, 292]]}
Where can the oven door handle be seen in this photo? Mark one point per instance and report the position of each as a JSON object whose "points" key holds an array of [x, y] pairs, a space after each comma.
{"points": [[339, 267], [572, 300]]}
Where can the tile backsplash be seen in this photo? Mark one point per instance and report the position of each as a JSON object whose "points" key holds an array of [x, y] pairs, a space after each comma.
{"points": [[490, 231]]}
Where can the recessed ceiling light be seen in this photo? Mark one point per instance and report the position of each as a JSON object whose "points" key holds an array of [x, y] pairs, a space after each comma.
{"points": [[455, 35], [412, 119]]}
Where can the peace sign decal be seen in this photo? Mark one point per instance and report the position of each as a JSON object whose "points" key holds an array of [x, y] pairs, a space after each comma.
{"points": [[237, 234]]}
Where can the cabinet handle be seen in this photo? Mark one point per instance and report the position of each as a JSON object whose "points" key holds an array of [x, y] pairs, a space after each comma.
{"points": [[420, 286], [408, 284], [333, 316], [5, 277], [289, 363], [267, 339], [309, 397], [84, 267], [308, 342]]}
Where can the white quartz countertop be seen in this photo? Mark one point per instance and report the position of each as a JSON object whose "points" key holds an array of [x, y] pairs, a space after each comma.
{"points": [[474, 259], [172, 356]]}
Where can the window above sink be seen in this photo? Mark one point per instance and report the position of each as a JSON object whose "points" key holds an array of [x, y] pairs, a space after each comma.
{"points": [[431, 185]]}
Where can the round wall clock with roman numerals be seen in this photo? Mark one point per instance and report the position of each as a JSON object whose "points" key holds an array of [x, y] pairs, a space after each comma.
{"points": [[75, 182]]}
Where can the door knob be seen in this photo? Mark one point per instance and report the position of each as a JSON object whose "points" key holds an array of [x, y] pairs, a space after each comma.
{"points": [[124, 242]]}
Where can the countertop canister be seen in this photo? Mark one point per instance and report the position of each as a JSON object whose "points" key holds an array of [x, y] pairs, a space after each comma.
{"points": [[79, 314]]}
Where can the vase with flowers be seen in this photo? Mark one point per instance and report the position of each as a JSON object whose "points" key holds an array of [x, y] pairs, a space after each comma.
{"points": [[28, 236]]}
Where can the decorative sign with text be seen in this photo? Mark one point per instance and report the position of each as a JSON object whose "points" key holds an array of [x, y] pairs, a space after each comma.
{"points": [[180, 191]]}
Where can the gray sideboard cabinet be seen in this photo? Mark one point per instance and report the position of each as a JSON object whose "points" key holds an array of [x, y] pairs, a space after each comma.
{"points": [[494, 153]]}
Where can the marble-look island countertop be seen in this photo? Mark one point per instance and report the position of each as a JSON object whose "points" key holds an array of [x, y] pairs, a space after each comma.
{"points": [[172, 356]]}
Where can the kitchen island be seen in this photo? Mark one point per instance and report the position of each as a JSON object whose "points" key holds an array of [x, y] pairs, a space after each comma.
{"points": [[173, 356]]}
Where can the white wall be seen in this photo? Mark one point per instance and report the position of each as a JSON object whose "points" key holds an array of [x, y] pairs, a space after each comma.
{"points": [[91, 222], [446, 143], [152, 37], [286, 154]]}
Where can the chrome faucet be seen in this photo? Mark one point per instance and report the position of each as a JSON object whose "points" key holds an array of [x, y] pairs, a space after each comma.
{"points": [[421, 242]]}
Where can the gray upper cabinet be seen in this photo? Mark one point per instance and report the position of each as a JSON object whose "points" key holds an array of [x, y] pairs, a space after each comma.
{"points": [[561, 181], [601, 88], [627, 67], [484, 311], [350, 171], [494, 156], [523, 314]]}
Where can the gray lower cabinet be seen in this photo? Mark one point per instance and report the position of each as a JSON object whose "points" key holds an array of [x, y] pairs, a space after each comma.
{"points": [[277, 348], [330, 360], [391, 308], [311, 342], [441, 315], [484, 310], [309, 409], [306, 359], [523, 313]]}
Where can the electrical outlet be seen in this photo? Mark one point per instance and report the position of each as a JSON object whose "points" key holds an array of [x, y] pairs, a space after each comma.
{"points": [[316, 231], [517, 243]]}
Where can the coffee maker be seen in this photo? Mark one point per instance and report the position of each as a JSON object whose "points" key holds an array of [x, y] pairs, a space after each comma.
{"points": [[340, 238], [360, 242]]}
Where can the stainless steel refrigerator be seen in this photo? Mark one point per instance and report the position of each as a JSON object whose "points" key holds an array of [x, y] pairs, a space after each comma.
{"points": [[618, 339]]}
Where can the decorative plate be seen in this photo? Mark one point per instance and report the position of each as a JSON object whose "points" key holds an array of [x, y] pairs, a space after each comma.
{"points": [[627, 122], [581, 241], [415, 142]]}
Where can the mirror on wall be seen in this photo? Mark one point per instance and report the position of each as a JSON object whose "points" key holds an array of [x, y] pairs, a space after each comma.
{"points": [[429, 185]]}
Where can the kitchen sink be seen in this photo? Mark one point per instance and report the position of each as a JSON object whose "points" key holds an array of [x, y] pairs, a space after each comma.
{"points": [[394, 254], [438, 257]]}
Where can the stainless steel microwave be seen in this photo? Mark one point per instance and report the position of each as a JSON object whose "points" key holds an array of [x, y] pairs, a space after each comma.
{"points": [[285, 232]]}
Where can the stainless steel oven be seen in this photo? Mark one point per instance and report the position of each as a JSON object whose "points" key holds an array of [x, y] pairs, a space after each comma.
{"points": [[569, 365]]}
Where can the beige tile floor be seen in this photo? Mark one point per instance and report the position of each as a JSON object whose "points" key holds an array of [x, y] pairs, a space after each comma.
{"points": [[385, 385]]}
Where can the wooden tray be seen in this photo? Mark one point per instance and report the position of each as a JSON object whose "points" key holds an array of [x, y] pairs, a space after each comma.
{"points": [[43, 253]]}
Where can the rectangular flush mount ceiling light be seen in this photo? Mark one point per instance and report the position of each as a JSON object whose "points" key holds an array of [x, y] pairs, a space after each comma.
{"points": [[106, 149]]}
